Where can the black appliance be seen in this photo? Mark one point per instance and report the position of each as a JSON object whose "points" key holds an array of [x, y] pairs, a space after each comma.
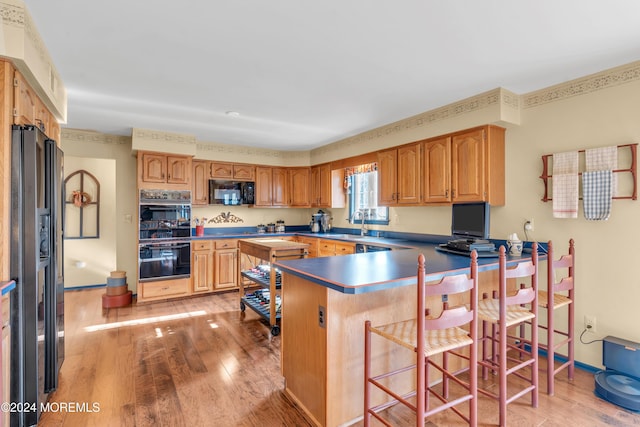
{"points": [[361, 247], [165, 214], [165, 260], [37, 303], [231, 193]]}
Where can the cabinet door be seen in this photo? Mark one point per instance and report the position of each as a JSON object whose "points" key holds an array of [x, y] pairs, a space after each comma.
{"points": [[280, 190], [244, 172], [409, 175], [321, 186], [178, 170], [154, 167], [226, 268], [436, 171], [263, 186], [25, 102], [387, 177], [221, 170], [467, 166], [202, 271], [300, 187], [200, 190]]}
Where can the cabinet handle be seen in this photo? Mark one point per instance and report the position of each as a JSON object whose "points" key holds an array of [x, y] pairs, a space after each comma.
{"points": [[446, 193]]}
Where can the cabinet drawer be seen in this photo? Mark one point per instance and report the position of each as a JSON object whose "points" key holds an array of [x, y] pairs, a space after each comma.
{"points": [[345, 248], [166, 288], [202, 245], [226, 244]]}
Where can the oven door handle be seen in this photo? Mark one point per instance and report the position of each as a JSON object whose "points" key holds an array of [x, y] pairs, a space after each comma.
{"points": [[163, 246]]}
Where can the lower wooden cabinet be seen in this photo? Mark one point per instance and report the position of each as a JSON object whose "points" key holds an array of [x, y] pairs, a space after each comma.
{"points": [[226, 265], [313, 245], [335, 248], [202, 266], [163, 289]]}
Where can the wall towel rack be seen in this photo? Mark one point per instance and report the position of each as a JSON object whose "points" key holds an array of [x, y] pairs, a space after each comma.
{"points": [[632, 169]]}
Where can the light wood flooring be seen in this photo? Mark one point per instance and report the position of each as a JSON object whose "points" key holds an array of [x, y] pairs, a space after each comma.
{"points": [[199, 362]]}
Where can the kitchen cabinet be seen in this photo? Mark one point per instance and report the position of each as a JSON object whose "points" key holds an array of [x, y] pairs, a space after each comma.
{"points": [[163, 289], [327, 187], [202, 266], [299, 187], [200, 189], [335, 248], [313, 245], [477, 165], [232, 171], [25, 102], [226, 264], [166, 170], [398, 176], [436, 166], [271, 186], [28, 109]]}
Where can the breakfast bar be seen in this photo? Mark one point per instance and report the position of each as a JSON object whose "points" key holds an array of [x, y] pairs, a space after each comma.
{"points": [[325, 303]]}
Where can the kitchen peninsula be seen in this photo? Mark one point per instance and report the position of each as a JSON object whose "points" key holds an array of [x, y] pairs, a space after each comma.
{"points": [[325, 302]]}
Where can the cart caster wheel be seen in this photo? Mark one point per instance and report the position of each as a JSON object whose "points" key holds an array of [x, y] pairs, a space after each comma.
{"points": [[275, 330], [242, 306]]}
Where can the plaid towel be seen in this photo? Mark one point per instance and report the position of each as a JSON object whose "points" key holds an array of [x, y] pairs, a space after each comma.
{"points": [[596, 190], [565, 185], [603, 159], [565, 162], [565, 195]]}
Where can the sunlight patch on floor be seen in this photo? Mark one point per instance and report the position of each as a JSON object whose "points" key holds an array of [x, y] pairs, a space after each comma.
{"points": [[145, 321]]}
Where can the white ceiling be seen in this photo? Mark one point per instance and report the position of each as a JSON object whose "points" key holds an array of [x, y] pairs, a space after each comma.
{"points": [[306, 73]]}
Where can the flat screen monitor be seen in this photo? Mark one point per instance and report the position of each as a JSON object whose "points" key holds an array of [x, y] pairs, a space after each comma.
{"points": [[470, 220]]}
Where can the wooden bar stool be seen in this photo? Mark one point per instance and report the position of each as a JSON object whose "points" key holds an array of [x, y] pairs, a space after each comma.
{"points": [[559, 293], [428, 336], [504, 311]]}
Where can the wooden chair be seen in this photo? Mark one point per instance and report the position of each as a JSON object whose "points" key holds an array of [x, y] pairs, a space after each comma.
{"points": [[503, 312], [559, 293], [428, 336]]}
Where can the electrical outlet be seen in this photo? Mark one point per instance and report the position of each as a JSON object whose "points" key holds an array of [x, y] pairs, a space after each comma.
{"points": [[590, 323], [528, 225]]}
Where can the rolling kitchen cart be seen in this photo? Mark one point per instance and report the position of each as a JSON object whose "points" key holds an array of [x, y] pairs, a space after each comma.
{"points": [[265, 275]]}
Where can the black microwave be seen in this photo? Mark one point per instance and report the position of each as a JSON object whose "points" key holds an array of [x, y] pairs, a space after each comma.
{"points": [[231, 193]]}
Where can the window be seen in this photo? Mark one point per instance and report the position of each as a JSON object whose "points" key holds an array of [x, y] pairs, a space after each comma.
{"points": [[363, 197]]}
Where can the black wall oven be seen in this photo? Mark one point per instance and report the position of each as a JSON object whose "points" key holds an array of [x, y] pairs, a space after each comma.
{"points": [[165, 260], [165, 233]]}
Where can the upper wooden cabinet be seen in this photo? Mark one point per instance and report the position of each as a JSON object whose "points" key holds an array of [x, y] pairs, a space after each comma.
{"points": [[25, 102], [321, 186], [398, 176], [271, 186], [436, 166], [477, 165], [200, 189], [239, 172], [158, 170], [28, 109], [299, 187]]}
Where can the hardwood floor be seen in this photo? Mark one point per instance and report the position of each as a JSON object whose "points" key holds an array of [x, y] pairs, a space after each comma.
{"points": [[199, 362]]}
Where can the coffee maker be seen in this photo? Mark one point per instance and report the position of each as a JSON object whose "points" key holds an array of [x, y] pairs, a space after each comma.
{"points": [[316, 223]]}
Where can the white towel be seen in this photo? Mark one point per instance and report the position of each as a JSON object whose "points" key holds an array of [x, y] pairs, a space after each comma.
{"points": [[565, 195], [596, 193], [565, 185], [603, 159]]}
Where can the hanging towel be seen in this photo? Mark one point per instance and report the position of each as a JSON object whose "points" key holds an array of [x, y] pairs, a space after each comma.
{"points": [[565, 195], [603, 159], [565, 185], [596, 193]]}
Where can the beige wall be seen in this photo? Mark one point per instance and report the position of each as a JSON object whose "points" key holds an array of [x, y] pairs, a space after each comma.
{"points": [[595, 111], [89, 261], [124, 212]]}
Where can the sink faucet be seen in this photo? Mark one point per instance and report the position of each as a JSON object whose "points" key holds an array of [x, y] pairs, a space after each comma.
{"points": [[363, 229]]}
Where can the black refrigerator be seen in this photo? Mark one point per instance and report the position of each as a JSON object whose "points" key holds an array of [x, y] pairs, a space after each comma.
{"points": [[37, 303]]}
